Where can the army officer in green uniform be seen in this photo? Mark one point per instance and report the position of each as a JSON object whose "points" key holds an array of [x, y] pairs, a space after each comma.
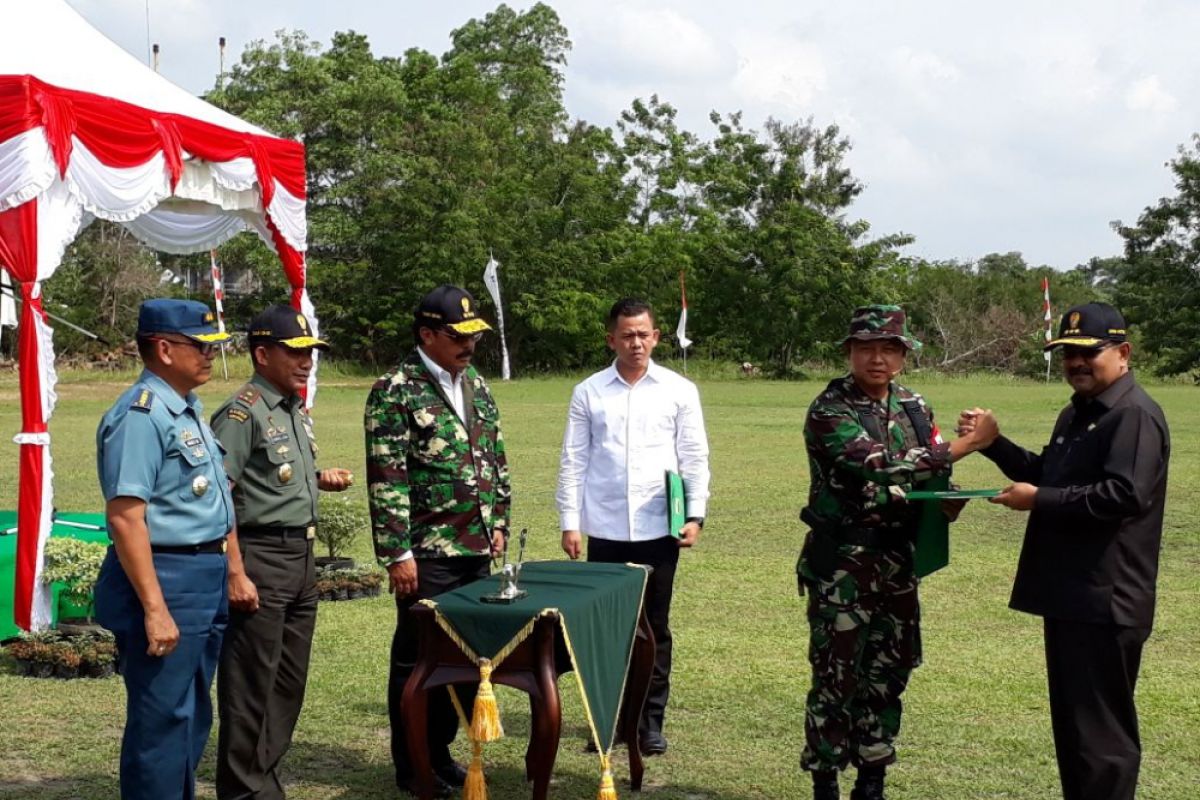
{"points": [[271, 457]]}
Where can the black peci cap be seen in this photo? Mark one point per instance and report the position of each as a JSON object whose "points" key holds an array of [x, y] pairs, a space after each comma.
{"points": [[1090, 325], [286, 326], [451, 307]]}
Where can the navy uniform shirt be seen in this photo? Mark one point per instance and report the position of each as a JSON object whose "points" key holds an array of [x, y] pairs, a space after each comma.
{"points": [[155, 445]]}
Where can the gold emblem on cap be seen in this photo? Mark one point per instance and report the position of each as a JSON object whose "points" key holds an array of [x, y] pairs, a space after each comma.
{"points": [[285, 473], [1073, 321], [208, 317], [302, 322], [199, 486], [466, 304]]}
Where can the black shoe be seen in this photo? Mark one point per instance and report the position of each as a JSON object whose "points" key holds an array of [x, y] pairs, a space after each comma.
{"points": [[451, 772], [825, 786], [653, 743], [441, 789], [869, 786], [591, 747]]}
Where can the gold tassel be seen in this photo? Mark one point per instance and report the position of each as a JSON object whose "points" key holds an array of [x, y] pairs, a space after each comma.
{"points": [[485, 716], [608, 789], [475, 787]]}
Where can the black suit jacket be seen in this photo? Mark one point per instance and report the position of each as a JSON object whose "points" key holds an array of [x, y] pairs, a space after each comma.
{"points": [[1092, 543]]}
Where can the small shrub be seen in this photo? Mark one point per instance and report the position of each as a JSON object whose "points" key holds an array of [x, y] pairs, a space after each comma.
{"points": [[76, 565], [339, 521]]}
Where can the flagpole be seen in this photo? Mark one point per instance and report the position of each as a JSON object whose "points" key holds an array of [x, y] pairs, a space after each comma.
{"points": [[218, 282], [1049, 322], [681, 328]]}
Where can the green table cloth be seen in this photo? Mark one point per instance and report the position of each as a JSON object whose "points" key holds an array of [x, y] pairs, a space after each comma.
{"points": [[597, 606], [88, 527]]}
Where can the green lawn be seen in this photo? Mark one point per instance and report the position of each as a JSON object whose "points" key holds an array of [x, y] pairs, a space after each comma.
{"points": [[977, 724]]}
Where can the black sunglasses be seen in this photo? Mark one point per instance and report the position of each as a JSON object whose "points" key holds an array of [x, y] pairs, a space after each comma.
{"points": [[206, 349], [460, 338], [1074, 351]]}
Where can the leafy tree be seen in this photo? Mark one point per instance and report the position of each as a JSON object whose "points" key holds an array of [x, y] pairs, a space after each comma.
{"points": [[1159, 286]]}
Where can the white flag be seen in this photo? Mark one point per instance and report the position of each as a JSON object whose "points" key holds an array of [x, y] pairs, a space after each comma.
{"points": [[681, 329], [491, 279], [1046, 314], [8, 307]]}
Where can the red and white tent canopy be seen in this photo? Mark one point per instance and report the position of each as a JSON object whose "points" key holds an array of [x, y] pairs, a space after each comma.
{"points": [[87, 131]]}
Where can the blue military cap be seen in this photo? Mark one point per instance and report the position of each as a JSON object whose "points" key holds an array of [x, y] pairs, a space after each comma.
{"points": [[187, 317]]}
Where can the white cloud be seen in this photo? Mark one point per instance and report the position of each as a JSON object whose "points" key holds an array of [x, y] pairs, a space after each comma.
{"points": [[779, 72], [1148, 94], [632, 40]]}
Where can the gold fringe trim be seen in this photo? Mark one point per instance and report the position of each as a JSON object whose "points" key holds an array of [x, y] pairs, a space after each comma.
{"points": [[587, 708]]}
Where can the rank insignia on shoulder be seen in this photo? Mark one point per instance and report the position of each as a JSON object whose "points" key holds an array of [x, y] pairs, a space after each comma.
{"points": [[249, 395], [237, 414], [144, 401]]}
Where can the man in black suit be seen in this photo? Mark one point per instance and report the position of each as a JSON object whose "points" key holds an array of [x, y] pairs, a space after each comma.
{"points": [[1090, 558]]}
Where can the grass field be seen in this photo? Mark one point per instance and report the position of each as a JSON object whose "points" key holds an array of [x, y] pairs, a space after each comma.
{"points": [[977, 724]]}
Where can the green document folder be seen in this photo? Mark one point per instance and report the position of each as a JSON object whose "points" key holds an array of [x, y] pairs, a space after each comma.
{"points": [[676, 504], [953, 494], [933, 531]]}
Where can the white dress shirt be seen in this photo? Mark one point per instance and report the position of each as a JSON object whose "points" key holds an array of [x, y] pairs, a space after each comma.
{"points": [[619, 442], [451, 385]]}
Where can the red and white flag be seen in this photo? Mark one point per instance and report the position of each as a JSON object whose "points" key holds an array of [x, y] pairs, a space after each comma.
{"points": [[1048, 317], [218, 283], [681, 329]]}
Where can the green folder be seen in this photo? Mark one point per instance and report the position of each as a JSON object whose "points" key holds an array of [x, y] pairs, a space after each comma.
{"points": [[676, 504], [953, 494], [933, 531]]}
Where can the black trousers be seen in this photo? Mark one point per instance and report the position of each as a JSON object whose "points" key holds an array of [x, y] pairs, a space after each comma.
{"points": [[264, 667], [434, 576], [1092, 672], [663, 555]]}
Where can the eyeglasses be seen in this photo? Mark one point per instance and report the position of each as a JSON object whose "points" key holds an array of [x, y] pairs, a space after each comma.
{"points": [[206, 349], [460, 338], [1086, 353]]}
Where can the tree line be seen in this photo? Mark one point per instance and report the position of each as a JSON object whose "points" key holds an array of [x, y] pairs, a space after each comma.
{"points": [[420, 167]]}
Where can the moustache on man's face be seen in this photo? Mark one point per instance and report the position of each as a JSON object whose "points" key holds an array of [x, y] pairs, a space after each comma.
{"points": [[1076, 371]]}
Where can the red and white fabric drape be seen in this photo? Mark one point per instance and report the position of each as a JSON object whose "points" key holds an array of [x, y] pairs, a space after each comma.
{"points": [[179, 184]]}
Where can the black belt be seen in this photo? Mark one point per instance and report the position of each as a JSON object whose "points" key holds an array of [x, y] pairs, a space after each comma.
{"points": [[877, 538], [278, 531], [215, 546]]}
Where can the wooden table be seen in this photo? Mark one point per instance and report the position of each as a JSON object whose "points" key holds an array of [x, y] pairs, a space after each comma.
{"points": [[534, 668]]}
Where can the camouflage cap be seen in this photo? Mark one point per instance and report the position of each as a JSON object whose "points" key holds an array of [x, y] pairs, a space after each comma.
{"points": [[881, 322]]}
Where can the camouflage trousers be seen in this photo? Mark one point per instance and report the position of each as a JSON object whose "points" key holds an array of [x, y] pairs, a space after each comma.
{"points": [[865, 641]]}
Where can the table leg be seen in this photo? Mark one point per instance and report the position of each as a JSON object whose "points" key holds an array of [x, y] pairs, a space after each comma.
{"points": [[547, 711], [641, 668], [416, 722]]}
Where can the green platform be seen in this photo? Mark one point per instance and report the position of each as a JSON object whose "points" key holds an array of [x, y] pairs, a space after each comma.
{"points": [[8, 554]]}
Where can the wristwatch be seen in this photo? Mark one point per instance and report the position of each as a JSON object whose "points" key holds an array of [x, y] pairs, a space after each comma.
{"points": [[698, 520]]}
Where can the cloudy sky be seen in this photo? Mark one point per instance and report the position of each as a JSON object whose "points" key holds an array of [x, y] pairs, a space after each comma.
{"points": [[976, 127]]}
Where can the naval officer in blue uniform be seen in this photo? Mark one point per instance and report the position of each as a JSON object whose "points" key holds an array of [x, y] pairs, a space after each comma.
{"points": [[161, 589]]}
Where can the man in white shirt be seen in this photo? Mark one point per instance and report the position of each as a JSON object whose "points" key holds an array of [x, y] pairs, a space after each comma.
{"points": [[627, 425]]}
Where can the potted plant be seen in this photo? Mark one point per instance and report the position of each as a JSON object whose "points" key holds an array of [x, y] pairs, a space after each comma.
{"points": [[98, 656], [51, 654], [339, 522], [75, 565]]}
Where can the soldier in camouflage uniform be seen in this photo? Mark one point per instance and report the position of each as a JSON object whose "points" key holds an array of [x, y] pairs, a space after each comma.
{"points": [[439, 494], [869, 440]]}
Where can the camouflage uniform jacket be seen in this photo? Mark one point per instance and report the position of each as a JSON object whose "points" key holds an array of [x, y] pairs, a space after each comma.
{"points": [[436, 485], [858, 481]]}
